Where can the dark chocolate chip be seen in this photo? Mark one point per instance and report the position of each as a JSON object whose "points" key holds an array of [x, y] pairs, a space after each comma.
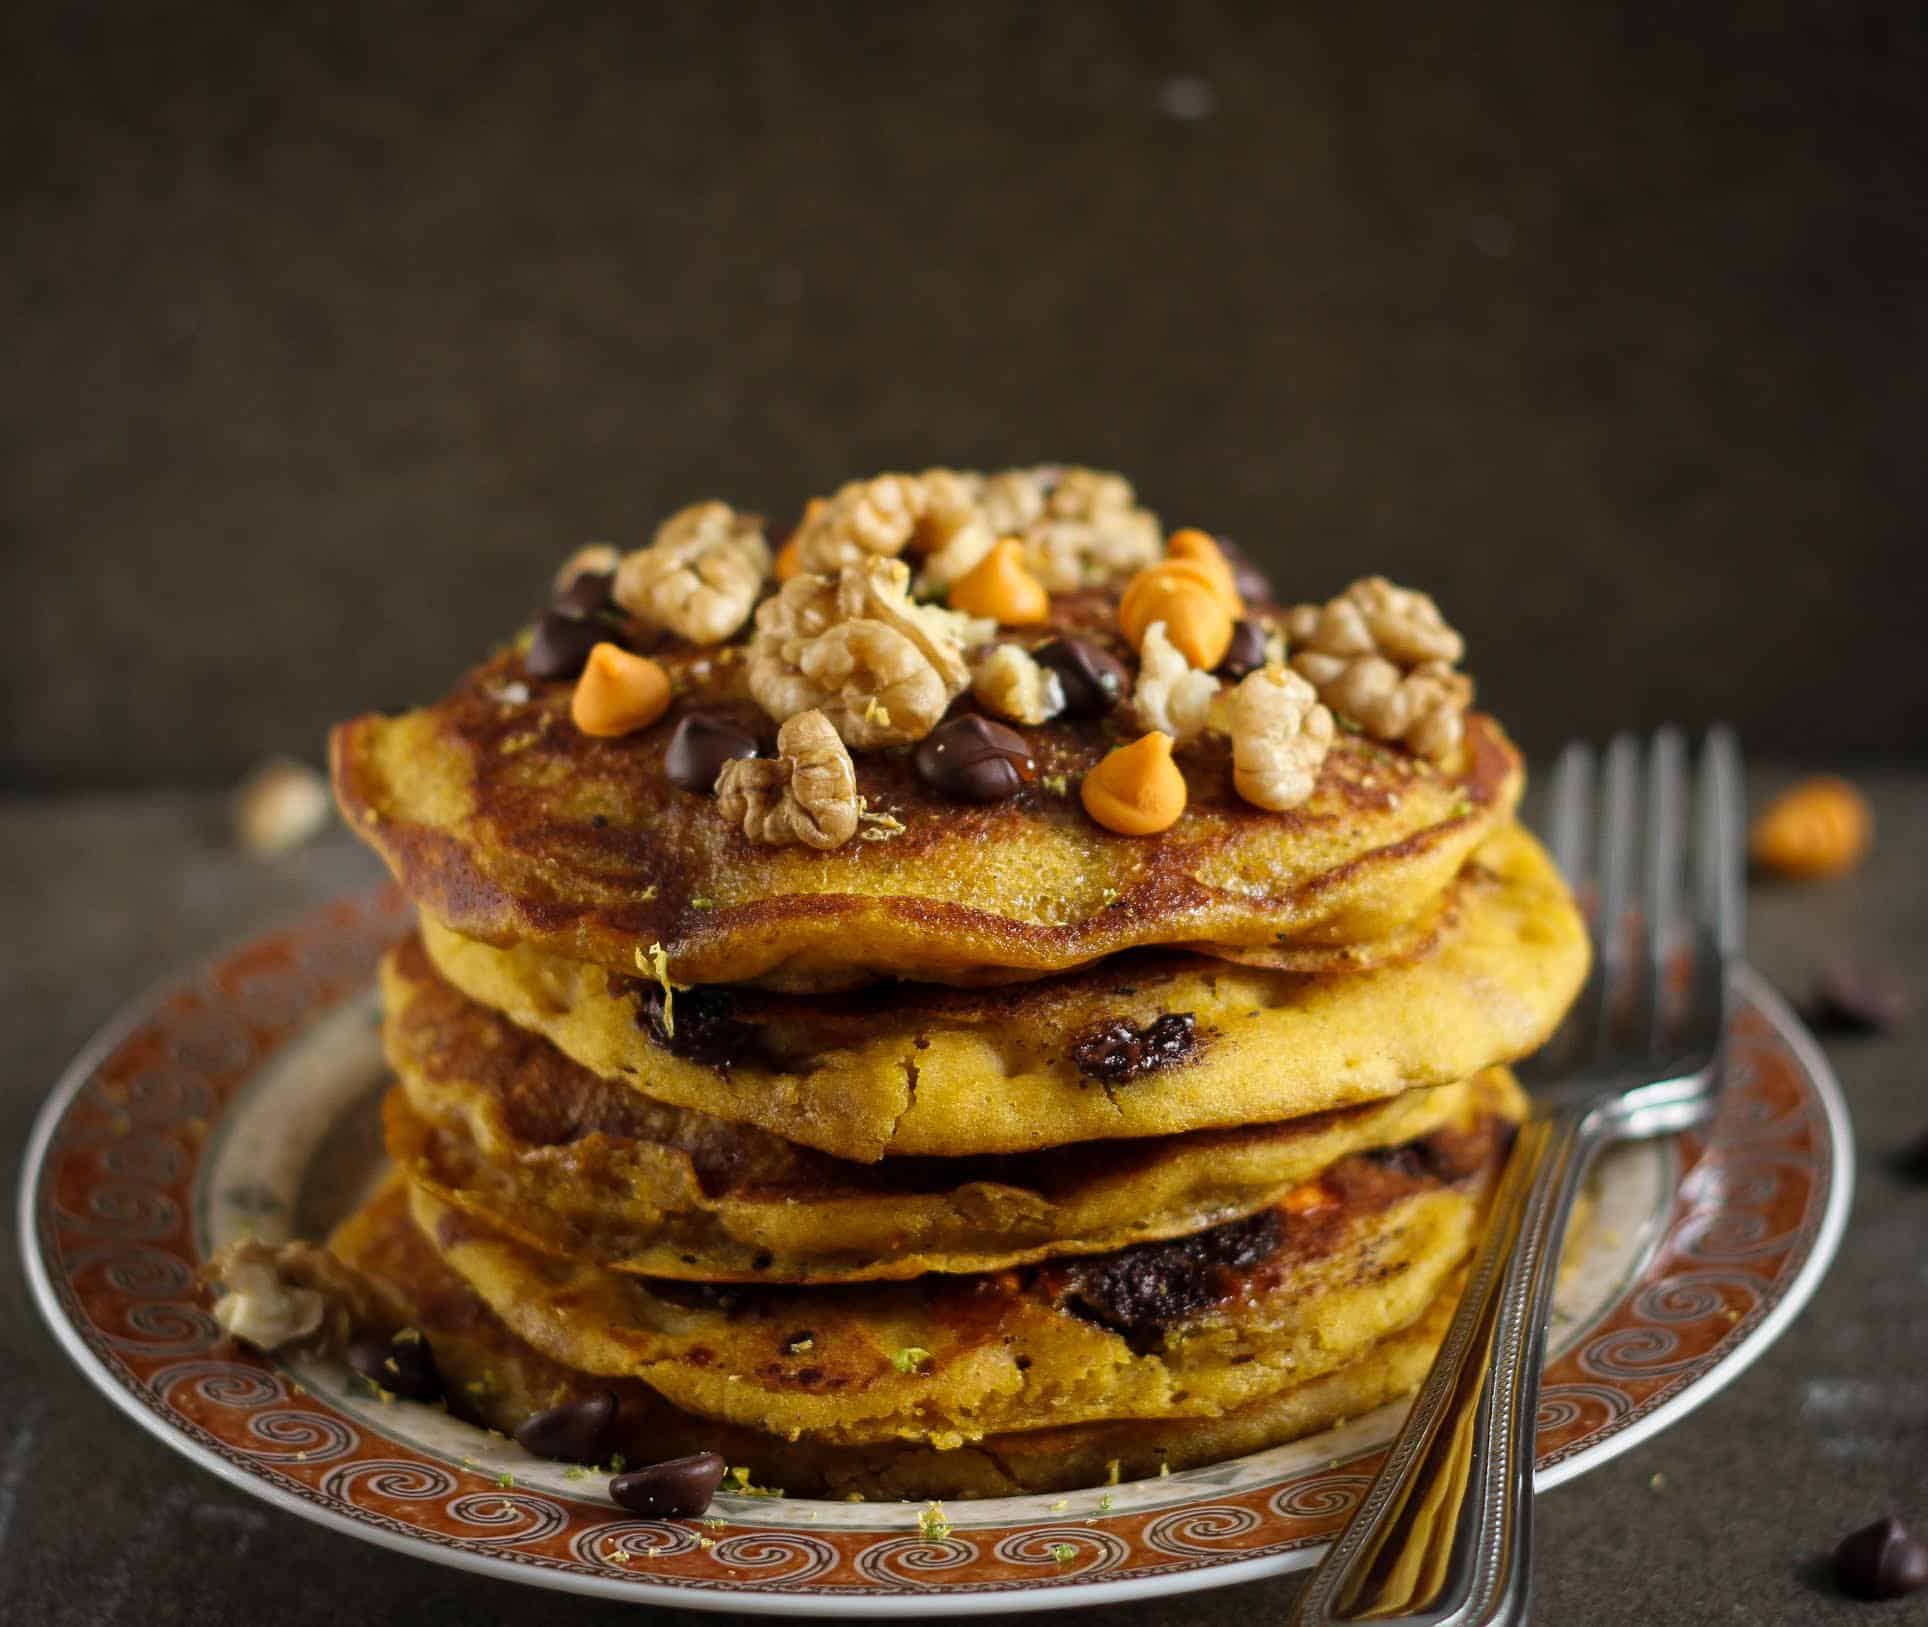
{"points": [[586, 594], [1117, 1053], [706, 1026], [1250, 581], [561, 645], [1141, 1291], [975, 760], [1881, 1561], [403, 1365], [1857, 998], [1246, 652], [578, 1431], [1912, 1163], [1094, 679], [679, 1489], [699, 747]]}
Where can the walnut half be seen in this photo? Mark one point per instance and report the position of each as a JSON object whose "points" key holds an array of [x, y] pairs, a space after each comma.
{"points": [[700, 575], [1078, 526], [807, 793], [1280, 736], [1383, 657], [881, 668], [934, 515]]}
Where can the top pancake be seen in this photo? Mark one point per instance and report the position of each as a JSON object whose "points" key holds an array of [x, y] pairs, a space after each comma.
{"points": [[510, 825]]}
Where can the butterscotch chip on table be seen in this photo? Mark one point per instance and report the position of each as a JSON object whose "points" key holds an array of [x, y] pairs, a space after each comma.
{"points": [[1820, 827]]}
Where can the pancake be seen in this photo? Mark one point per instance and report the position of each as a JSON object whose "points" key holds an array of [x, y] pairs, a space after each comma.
{"points": [[917, 1071], [1197, 1327], [500, 1125], [497, 1380], [502, 819]]}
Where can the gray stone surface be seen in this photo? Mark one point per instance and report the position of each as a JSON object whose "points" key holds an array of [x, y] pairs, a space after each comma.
{"points": [[100, 1524], [329, 326]]}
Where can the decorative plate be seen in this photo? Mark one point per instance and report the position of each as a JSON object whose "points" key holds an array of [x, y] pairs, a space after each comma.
{"points": [[243, 1096]]}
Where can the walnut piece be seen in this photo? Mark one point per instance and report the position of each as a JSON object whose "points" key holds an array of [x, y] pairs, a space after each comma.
{"points": [[1280, 736], [855, 647], [700, 575], [1078, 526], [1172, 695], [934, 515], [807, 793], [1010, 683], [1383, 657], [598, 557], [291, 1294]]}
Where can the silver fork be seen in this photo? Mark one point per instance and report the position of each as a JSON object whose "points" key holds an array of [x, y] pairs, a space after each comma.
{"points": [[1444, 1535]]}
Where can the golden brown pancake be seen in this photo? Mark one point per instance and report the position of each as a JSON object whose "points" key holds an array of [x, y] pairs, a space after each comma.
{"points": [[918, 1071], [498, 1380], [1196, 1327], [502, 819], [499, 1124]]}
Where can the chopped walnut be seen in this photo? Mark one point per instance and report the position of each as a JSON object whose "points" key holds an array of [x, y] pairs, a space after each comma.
{"points": [[1078, 525], [933, 515], [1280, 736], [1010, 683], [700, 575], [807, 793], [293, 1294], [1383, 657], [881, 668], [1172, 695]]}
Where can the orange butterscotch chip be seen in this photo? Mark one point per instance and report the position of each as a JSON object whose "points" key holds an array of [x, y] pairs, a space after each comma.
{"points": [[1136, 790], [1181, 595], [789, 561], [1001, 586], [1199, 551], [1820, 827], [618, 693]]}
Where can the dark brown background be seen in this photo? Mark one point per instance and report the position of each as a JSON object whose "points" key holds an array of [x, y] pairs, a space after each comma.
{"points": [[328, 329]]}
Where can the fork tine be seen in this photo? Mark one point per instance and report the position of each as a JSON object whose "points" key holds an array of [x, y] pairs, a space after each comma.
{"points": [[1615, 861], [1572, 815], [1719, 894], [1666, 769]]}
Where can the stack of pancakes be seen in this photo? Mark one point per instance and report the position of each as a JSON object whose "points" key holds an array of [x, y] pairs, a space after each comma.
{"points": [[999, 1152]]}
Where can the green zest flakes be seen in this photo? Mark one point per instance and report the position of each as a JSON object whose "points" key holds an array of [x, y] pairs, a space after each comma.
{"points": [[910, 1359]]}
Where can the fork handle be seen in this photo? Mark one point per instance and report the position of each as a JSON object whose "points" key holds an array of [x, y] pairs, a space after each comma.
{"points": [[1443, 1535]]}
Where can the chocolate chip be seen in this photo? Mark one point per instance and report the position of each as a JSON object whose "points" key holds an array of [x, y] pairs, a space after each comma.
{"points": [[1094, 679], [1912, 1163], [561, 645], [975, 760], [679, 1489], [1881, 1561], [578, 1431], [1120, 1052], [706, 1026], [1250, 581], [586, 594], [1140, 1291], [1857, 998], [1246, 652], [701, 744], [403, 1365]]}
